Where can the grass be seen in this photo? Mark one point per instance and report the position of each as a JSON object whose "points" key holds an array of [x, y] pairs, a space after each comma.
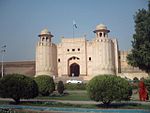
{"points": [[4, 102], [79, 96], [11, 111], [90, 106], [70, 95], [59, 104], [125, 106], [73, 96]]}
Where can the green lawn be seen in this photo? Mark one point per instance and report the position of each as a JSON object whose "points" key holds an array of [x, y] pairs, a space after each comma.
{"points": [[77, 95], [69, 95], [98, 106], [4, 102]]}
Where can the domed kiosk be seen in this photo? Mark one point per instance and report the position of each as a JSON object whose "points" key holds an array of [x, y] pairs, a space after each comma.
{"points": [[101, 31], [45, 32]]}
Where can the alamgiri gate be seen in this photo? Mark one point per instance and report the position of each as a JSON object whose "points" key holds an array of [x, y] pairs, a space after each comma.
{"points": [[77, 57], [81, 58]]}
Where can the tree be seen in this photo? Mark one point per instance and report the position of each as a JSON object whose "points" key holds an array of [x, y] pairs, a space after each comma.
{"points": [[60, 87], [17, 86], [45, 84], [107, 88], [140, 54]]}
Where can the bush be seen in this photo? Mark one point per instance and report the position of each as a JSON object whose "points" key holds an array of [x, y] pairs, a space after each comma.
{"points": [[147, 83], [17, 86], [107, 88], [75, 86], [60, 87], [45, 84]]}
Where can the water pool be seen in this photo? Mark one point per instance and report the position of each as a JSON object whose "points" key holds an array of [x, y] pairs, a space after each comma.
{"points": [[39, 108]]}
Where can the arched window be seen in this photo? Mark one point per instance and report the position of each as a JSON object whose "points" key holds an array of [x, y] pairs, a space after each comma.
{"points": [[42, 38], [74, 58], [100, 34], [104, 34], [46, 38], [89, 58]]}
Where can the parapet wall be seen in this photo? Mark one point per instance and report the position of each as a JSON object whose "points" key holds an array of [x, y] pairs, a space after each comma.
{"points": [[21, 67], [131, 76]]}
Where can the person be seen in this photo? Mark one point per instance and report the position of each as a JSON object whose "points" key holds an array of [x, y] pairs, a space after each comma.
{"points": [[53, 77], [143, 93]]}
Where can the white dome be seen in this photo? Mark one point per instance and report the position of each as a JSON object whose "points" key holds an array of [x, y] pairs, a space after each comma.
{"points": [[45, 31], [101, 27]]}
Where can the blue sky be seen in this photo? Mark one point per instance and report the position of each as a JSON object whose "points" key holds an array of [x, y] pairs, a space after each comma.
{"points": [[22, 20]]}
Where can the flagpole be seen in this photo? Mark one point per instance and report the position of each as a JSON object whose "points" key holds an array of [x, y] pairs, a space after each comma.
{"points": [[73, 31], [2, 65], [2, 69]]}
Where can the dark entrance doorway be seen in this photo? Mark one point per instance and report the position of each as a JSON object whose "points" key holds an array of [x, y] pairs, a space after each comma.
{"points": [[74, 70]]}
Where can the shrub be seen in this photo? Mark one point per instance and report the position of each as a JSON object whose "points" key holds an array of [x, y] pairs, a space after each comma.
{"points": [[45, 84], [17, 86], [147, 83], [60, 87], [107, 88], [75, 86]]}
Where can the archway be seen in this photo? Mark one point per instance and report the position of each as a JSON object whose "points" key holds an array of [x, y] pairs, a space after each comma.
{"points": [[74, 70]]}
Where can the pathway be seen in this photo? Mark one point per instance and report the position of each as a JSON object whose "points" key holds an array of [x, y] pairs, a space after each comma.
{"points": [[76, 102]]}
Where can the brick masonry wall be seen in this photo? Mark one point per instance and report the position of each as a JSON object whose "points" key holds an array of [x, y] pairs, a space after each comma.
{"points": [[20, 67]]}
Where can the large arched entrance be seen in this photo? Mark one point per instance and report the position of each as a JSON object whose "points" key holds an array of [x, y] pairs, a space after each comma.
{"points": [[74, 70]]}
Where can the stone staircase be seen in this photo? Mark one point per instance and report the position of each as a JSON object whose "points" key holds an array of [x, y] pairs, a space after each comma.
{"points": [[65, 78]]}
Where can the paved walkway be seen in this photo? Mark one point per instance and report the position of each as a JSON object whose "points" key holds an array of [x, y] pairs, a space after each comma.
{"points": [[76, 102], [71, 102]]}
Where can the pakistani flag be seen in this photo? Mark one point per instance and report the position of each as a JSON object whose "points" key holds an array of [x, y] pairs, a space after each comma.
{"points": [[74, 24], [4, 46]]}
